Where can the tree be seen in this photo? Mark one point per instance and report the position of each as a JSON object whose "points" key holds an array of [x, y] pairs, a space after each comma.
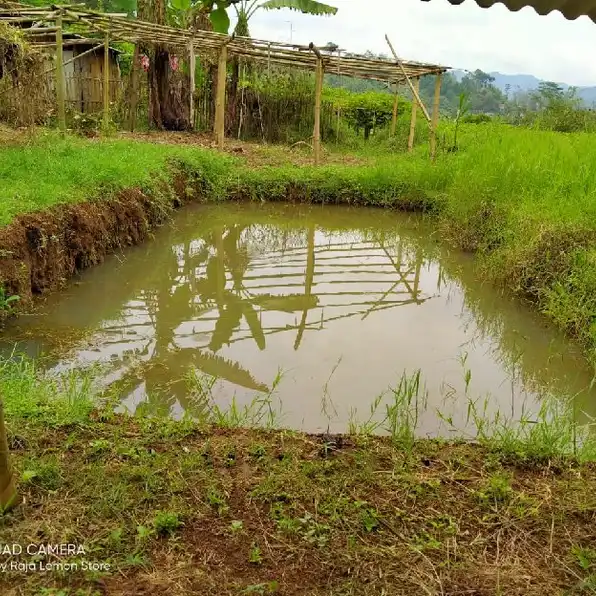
{"points": [[549, 89], [245, 10]]}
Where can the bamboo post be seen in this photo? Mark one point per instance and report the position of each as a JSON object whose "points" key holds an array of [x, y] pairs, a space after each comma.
{"points": [[319, 74], [60, 81], [394, 117], [415, 86], [106, 83], [134, 92], [8, 490], [338, 108], [220, 103], [435, 117], [318, 94], [192, 68], [414, 89]]}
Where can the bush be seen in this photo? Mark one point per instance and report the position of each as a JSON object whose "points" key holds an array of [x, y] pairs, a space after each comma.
{"points": [[477, 119]]}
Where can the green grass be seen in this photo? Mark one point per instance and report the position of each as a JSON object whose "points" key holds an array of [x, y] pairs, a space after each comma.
{"points": [[52, 170], [260, 511]]}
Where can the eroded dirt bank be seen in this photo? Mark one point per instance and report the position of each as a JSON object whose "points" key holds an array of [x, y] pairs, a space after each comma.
{"points": [[40, 251]]}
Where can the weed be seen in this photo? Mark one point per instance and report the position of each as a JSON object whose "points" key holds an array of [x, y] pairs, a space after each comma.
{"points": [[584, 557], [99, 446], [424, 541], [43, 473], [143, 534], [254, 556], [218, 501], [404, 409], [496, 490], [370, 519], [7, 302], [257, 452], [166, 523]]}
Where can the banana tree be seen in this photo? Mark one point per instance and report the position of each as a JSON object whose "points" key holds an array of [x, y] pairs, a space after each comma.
{"points": [[245, 10], [201, 14]]}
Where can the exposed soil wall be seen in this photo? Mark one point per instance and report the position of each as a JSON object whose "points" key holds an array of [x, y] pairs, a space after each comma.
{"points": [[40, 251]]}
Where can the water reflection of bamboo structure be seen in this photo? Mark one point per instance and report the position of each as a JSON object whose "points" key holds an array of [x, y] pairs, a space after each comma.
{"points": [[206, 288]]}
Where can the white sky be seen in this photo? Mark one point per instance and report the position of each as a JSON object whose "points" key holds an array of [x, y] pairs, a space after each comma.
{"points": [[464, 36]]}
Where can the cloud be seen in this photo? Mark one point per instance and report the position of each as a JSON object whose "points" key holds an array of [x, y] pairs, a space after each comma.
{"points": [[465, 36]]}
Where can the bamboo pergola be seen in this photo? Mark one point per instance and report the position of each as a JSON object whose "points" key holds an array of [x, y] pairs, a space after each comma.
{"points": [[43, 27]]}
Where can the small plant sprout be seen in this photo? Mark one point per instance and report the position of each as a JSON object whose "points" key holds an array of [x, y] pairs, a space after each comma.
{"points": [[166, 523], [7, 302], [254, 555]]}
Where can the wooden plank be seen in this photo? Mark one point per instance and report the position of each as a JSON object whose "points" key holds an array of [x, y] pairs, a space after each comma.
{"points": [[435, 118], [192, 68], [220, 104], [106, 83], [416, 86], [318, 95], [60, 81]]}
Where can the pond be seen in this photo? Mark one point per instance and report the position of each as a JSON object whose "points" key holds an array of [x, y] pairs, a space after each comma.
{"points": [[316, 311]]}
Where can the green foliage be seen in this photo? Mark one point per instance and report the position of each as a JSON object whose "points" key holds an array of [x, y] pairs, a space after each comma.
{"points": [[53, 170], [363, 111], [166, 523], [57, 399], [254, 556], [7, 302], [305, 6], [478, 87], [585, 557], [496, 490], [9, 36], [476, 119]]}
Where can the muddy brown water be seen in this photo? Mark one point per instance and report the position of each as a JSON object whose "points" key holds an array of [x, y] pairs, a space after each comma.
{"points": [[342, 301]]}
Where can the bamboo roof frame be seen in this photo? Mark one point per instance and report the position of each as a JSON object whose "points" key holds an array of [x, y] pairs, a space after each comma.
{"points": [[120, 27]]}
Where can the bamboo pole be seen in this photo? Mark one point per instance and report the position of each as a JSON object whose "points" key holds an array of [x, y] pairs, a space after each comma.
{"points": [[220, 104], [192, 68], [338, 108], [413, 89], [134, 92], [435, 118], [106, 84], [415, 86], [60, 81], [8, 490], [318, 93], [273, 53], [394, 116]]}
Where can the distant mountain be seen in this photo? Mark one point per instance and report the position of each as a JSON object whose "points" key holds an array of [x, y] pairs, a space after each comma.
{"points": [[518, 82], [523, 82]]}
